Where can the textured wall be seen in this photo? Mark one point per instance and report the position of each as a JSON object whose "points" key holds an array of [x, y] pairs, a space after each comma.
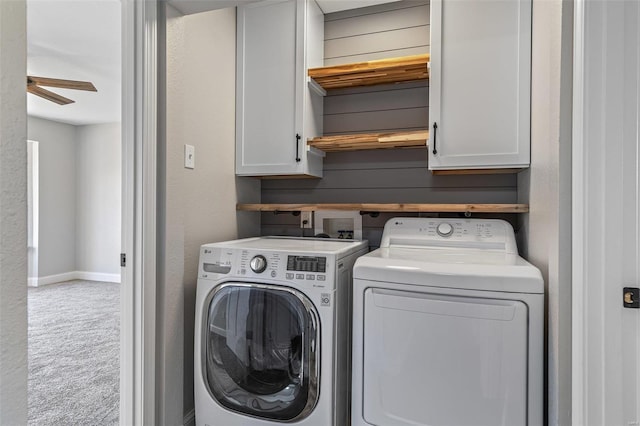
{"points": [[13, 214], [98, 196], [197, 206]]}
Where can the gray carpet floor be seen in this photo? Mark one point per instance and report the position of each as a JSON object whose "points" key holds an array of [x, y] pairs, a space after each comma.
{"points": [[74, 354]]}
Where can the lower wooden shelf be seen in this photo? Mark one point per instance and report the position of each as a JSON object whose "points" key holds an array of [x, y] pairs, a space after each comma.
{"points": [[390, 207]]}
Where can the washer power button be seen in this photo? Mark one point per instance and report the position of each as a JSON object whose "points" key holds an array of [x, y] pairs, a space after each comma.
{"points": [[444, 229]]}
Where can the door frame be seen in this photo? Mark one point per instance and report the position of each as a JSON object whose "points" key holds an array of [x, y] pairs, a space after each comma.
{"points": [[139, 143], [577, 220], [33, 208], [593, 373]]}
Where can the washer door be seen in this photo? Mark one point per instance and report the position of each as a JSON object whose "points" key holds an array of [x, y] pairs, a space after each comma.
{"points": [[260, 352]]}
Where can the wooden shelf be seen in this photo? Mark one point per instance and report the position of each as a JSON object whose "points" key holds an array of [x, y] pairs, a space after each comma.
{"points": [[395, 208], [383, 71], [361, 141]]}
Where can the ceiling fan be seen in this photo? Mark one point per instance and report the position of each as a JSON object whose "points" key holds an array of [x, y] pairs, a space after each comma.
{"points": [[34, 83]]}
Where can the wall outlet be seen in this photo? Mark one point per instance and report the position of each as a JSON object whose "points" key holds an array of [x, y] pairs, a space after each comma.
{"points": [[306, 219]]}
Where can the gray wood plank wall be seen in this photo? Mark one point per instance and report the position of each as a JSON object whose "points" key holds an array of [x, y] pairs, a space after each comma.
{"points": [[383, 176], [289, 225], [377, 32]]}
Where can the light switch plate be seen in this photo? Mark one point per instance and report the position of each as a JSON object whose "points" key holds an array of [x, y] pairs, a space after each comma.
{"points": [[189, 157]]}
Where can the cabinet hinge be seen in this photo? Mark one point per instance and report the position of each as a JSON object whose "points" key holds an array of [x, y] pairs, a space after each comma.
{"points": [[123, 259]]}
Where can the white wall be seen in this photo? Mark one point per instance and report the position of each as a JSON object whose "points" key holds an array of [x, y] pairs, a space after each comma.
{"points": [[13, 214], [98, 195], [80, 193], [196, 206], [545, 237], [57, 244]]}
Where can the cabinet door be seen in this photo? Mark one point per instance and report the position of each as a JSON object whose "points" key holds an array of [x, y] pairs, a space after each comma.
{"points": [[480, 84], [267, 100]]}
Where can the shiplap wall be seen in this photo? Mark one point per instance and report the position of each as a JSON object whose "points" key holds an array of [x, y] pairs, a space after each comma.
{"points": [[382, 176], [377, 32], [377, 108]]}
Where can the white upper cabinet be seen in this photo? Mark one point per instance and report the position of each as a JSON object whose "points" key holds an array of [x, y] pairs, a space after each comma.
{"points": [[276, 112], [480, 87]]}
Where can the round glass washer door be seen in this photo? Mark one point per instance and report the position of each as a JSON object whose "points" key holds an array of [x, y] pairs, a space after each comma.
{"points": [[261, 351]]}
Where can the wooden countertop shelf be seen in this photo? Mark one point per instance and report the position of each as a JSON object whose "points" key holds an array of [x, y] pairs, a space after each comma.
{"points": [[362, 141], [394, 207], [383, 71]]}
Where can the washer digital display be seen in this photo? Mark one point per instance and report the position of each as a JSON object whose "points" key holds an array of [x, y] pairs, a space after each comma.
{"points": [[306, 264]]}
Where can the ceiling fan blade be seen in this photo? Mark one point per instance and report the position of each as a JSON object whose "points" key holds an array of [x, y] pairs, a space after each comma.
{"points": [[50, 96], [63, 84]]}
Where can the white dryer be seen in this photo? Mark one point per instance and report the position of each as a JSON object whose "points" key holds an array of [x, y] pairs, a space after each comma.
{"points": [[272, 331], [448, 327]]}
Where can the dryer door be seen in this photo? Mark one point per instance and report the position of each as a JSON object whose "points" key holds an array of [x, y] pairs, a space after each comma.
{"points": [[262, 344], [432, 359]]}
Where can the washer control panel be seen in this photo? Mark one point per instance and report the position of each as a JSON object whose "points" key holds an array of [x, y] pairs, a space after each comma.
{"points": [[307, 269]]}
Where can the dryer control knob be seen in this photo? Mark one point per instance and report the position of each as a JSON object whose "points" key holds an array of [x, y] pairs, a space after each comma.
{"points": [[444, 229], [258, 264]]}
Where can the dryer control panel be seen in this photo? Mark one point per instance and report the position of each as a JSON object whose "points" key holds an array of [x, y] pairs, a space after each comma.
{"points": [[444, 232]]}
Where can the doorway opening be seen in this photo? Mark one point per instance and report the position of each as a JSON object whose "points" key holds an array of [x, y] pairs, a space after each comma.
{"points": [[75, 198]]}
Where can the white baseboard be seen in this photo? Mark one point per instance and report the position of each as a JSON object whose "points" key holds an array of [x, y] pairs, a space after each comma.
{"points": [[98, 276], [190, 418], [57, 278], [73, 275]]}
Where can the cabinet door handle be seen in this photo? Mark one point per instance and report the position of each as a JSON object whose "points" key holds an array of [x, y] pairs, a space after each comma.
{"points": [[298, 137], [435, 130]]}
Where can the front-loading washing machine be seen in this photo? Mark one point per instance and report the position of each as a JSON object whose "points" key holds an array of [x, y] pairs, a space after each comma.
{"points": [[448, 327], [272, 331]]}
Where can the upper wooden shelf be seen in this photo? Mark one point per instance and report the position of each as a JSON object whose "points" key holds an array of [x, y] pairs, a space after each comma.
{"points": [[393, 207], [383, 71], [362, 141]]}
